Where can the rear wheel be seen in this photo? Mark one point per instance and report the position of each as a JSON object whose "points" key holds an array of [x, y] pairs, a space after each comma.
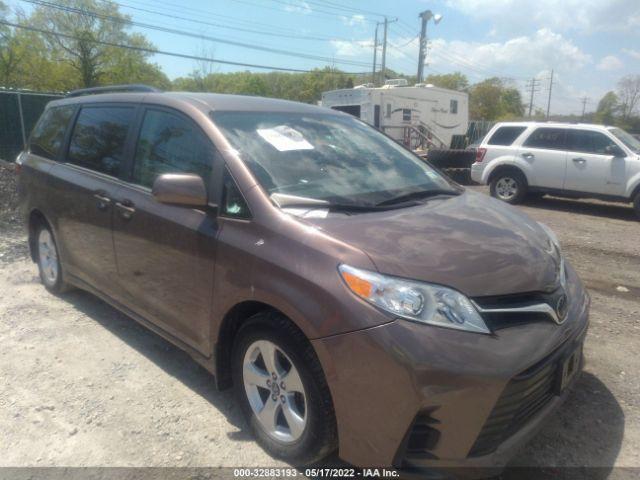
{"points": [[282, 390], [48, 260], [509, 186]]}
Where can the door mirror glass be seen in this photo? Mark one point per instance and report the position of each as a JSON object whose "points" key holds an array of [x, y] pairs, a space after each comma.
{"points": [[614, 150], [186, 189]]}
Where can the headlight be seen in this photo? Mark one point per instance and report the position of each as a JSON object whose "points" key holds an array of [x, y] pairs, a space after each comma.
{"points": [[417, 301], [557, 252]]}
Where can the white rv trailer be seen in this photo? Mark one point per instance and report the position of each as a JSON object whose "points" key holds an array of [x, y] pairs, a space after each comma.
{"points": [[421, 116]]}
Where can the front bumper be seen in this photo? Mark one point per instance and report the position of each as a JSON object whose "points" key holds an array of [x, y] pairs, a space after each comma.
{"points": [[386, 378]]}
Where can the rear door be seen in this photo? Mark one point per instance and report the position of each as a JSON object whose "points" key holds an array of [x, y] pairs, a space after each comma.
{"points": [[166, 253], [545, 150], [84, 185], [591, 166]]}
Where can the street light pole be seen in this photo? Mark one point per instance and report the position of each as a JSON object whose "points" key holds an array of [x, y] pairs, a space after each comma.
{"points": [[425, 16]]}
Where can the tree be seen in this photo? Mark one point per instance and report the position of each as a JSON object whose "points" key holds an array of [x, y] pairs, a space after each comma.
{"points": [[608, 108], [492, 99], [452, 81], [91, 28], [629, 94]]}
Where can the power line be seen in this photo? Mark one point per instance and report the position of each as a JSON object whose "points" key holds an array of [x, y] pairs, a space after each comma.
{"points": [[113, 19], [154, 51]]}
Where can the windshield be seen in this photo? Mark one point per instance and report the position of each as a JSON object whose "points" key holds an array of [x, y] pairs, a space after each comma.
{"points": [[629, 140], [327, 157]]}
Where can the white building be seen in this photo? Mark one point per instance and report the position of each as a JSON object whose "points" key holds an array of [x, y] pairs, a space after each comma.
{"points": [[421, 116]]}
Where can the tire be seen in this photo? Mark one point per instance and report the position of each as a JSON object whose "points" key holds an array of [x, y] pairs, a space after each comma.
{"points": [[636, 205], [48, 260], [302, 428], [510, 186]]}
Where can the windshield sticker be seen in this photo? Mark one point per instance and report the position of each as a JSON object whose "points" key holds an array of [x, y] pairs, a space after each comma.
{"points": [[284, 138]]}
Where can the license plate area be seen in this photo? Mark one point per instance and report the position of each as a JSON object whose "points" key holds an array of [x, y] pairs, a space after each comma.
{"points": [[569, 367]]}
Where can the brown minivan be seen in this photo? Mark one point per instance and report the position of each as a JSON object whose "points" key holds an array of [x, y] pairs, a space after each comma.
{"points": [[356, 299]]}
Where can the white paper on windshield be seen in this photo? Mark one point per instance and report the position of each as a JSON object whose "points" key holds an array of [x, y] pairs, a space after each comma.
{"points": [[284, 138]]}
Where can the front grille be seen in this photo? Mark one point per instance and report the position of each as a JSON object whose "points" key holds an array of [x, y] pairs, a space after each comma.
{"points": [[523, 397], [499, 320]]}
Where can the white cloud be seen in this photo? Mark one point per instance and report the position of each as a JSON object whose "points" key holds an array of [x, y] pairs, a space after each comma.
{"points": [[298, 6], [632, 53], [354, 48], [610, 62], [353, 21], [584, 15]]}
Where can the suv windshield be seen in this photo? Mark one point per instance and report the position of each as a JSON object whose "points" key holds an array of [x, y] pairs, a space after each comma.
{"points": [[327, 157], [629, 140]]}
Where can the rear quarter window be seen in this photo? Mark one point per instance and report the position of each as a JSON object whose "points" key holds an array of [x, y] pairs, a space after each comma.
{"points": [[48, 135], [505, 136]]}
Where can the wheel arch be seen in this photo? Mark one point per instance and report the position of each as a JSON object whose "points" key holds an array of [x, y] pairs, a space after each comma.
{"points": [[506, 167], [235, 318], [36, 218]]}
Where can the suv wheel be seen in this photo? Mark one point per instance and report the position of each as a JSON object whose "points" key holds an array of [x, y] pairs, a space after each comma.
{"points": [[48, 260], [636, 205], [510, 187], [282, 390]]}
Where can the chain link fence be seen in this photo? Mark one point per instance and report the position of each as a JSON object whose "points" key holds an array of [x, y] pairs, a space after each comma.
{"points": [[19, 112]]}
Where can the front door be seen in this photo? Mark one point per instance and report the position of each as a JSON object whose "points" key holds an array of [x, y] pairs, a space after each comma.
{"points": [[544, 150], [166, 253], [591, 166], [84, 185]]}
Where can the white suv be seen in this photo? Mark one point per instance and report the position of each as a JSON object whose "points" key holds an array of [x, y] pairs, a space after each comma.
{"points": [[578, 160]]}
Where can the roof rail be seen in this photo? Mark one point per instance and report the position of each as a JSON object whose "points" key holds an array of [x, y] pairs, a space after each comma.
{"points": [[112, 89]]}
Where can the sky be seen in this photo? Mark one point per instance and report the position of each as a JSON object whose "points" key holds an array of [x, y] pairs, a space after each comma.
{"points": [[589, 44]]}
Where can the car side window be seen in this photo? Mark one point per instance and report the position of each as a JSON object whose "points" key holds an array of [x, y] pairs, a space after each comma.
{"points": [[547, 138], [233, 203], [99, 137], [48, 135], [505, 136], [170, 143], [589, 141]]}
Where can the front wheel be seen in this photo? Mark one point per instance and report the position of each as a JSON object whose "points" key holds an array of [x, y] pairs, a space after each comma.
{"points": [[282, 391], [510, 187]]}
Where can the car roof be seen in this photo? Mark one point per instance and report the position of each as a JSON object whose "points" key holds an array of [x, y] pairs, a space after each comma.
{"points": [[551, 124], [202, 101]]}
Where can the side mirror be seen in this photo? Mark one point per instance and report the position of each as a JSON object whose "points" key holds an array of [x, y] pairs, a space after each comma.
{"points": [[615, 150], [186, 189]]}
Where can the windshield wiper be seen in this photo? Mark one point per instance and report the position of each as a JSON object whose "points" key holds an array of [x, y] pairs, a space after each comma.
{"points": [[417, 196]]}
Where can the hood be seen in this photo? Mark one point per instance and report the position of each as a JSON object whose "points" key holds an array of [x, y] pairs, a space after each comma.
{"points": [[471, 242]]}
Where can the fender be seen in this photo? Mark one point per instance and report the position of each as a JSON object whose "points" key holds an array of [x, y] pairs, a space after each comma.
{"points": [[633, 185], [506, 160]]}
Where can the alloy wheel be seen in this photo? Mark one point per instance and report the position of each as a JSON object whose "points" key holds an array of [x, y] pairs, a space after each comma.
{"points": [[275, 391], [48, 256], [506, 188]]}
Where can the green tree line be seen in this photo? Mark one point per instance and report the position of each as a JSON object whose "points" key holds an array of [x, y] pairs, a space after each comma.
{"points": [[100, 49]]}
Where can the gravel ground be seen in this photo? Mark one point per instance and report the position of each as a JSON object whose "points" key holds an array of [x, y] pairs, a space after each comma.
{"points": [[82, 385]]}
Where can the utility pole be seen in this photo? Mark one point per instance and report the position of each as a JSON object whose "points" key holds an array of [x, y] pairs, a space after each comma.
{"points": [[384, 49], [533, 86], [424, 16], [375, 54], [549, 99], [584, 107]]}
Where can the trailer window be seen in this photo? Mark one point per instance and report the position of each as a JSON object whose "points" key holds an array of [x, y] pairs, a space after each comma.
{"points": [[453, 106], [406, 114], [388, 110]]}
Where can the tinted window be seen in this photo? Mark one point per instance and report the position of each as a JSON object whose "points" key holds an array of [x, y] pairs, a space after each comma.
{"points": [[505, 135], [98, 138], [47, 137], [169, 143], [549, 138], [588, 142], [453, 106]]}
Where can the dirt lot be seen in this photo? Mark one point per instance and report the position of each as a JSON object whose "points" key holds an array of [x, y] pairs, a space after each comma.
{"points": [[82, 385]]}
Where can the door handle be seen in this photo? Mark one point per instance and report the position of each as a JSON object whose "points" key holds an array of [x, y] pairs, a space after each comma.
{"points": [[579, 161], [528, 156], [126, 209], [103, 202]]}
